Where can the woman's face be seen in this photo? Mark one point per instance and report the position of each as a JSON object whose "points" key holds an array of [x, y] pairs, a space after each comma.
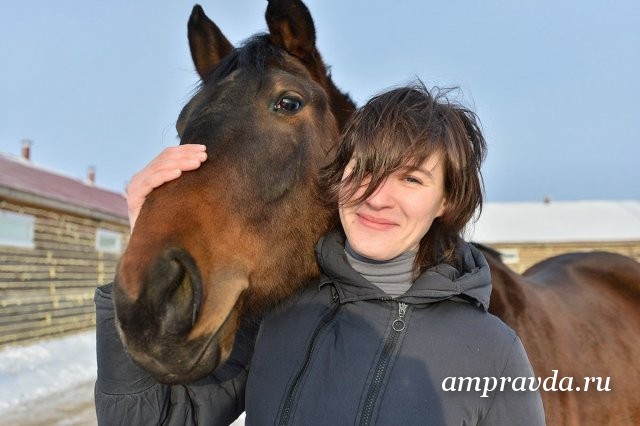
{"points": [[394, 219]]}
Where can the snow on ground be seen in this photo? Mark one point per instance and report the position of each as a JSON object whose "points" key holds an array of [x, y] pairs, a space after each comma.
{"points": [[50, 382], [34, 371]]}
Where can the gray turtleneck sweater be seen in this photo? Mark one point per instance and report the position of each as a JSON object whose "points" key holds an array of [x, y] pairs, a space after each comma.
{"points": [[393, 276]]}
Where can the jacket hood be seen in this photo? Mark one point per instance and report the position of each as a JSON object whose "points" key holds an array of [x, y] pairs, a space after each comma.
{"points": [[469, 283]]}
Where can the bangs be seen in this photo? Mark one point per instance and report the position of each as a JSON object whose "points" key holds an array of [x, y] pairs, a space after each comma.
{"points": [[371, 167]]}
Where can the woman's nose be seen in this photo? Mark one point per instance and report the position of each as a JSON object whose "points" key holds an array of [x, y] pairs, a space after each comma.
{"points": [[382, 197]]}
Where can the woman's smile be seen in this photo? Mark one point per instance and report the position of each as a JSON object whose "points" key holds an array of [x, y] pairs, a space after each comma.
{"points": [[374, 222]]}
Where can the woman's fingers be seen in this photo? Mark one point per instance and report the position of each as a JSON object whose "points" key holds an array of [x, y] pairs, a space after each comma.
{"points": [[167, 166], [183, 157]]}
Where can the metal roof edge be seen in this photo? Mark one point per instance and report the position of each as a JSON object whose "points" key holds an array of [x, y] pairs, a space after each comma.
{"points": [[559, 241], [34, 199]]}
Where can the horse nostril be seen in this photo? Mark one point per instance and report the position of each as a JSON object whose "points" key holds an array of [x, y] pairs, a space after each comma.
{"points": [[182, 292], [187, 290], [175, 274]]}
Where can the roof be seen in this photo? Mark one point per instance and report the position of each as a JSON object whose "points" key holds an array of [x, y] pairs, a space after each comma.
{"points": [[558, 221], [20, 177]]}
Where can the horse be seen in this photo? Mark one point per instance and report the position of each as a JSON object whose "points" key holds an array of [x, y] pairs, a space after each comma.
{"points": [[578, 317], [237, 235]]}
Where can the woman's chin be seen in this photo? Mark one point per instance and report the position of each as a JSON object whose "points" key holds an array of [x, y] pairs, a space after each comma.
{"points": [[371, 248]]}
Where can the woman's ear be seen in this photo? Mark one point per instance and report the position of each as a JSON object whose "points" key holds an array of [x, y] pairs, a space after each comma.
{"points": [[443, 207]]}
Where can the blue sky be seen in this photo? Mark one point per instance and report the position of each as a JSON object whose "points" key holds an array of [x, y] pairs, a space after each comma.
{"points": [[556, 83]]}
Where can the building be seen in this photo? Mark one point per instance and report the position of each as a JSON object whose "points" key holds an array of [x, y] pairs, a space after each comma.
{"points": [[527, 232], [59, 238]]}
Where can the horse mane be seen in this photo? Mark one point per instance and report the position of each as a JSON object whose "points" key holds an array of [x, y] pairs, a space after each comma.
{"points": [[255, 52], [486, 249]]}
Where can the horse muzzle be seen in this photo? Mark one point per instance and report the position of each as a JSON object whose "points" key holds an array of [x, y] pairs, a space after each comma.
{"points": [[169, 323]]}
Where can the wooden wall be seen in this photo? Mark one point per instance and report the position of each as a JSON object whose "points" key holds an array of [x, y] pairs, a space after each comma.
{"points": [[48, 290], [531, 253]]}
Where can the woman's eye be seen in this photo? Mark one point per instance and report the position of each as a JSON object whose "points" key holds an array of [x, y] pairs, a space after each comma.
{"points": [[288, 104], [412, 179]]}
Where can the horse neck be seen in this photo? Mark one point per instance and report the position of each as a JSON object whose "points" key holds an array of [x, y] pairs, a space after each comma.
{"points": [[508, 295], [341, 103], [343, 106]]}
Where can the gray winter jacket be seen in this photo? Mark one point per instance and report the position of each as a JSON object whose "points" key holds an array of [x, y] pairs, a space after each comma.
{"points": [[342, 353]]}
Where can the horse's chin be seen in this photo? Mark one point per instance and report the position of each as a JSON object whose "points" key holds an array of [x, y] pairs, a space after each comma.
{"points": [[186, 361], [169, 374]]}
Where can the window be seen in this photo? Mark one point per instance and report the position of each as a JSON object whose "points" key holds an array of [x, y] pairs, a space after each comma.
{"points": [[108, 241], [16, 229], [510, 256]]}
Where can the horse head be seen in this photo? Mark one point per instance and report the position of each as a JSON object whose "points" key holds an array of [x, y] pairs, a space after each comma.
{"points": [[237, 234]]}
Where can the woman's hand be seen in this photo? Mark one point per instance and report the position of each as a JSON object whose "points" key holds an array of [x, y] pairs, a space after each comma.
{"points": [[165, 167]]}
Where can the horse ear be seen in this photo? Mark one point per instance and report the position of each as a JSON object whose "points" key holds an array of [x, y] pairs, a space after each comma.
{"points": [[207, 43], [291, 27]]}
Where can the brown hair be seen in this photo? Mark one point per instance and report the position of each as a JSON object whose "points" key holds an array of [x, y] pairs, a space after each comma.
{"points": [[401, 128]]}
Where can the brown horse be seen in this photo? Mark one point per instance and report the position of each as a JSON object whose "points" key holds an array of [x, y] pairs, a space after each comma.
{"points": [[577, 314], [238, 233]]}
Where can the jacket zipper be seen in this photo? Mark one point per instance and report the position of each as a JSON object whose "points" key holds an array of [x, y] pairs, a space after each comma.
{"points": [[398, 325], [326, 320]]}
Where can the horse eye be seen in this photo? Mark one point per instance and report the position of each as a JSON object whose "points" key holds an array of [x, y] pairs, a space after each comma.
{"points": [[288, 104]]}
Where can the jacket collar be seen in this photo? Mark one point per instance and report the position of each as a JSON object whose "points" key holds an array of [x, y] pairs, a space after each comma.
{"points": [[470, 284]]}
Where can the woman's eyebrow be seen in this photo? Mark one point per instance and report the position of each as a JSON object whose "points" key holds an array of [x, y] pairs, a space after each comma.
{"points": [[422, 169]]}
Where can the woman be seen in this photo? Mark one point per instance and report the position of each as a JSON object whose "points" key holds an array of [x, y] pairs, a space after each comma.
{"points": [[395, 331]]}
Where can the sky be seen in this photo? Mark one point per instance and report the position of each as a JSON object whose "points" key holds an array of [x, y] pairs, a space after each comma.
{"points": [[555, 83]]}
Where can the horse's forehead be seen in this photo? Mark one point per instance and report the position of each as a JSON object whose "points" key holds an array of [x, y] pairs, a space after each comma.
{"points": [[294, 66], [212, 89], [250, 81], [294, 70], [233, 81], [282, 71]]}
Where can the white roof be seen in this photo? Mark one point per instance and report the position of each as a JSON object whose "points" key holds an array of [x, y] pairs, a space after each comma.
{"points": [[557, 221]]}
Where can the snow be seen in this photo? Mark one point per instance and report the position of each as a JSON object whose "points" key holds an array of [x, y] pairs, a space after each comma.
{"points": [[51, 382], [557, 221], [35, 371]]}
